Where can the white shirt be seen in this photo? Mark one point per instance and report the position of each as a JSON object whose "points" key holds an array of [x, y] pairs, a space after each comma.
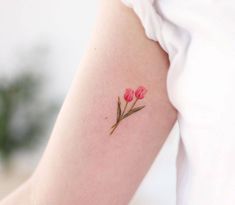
{"points": [[199, 37]]}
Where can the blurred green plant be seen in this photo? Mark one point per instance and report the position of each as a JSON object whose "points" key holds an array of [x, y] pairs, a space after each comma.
{"points": [[24, 116]]}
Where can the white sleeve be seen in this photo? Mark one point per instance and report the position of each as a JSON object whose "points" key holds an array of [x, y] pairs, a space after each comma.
{"points": [[150, 19]]}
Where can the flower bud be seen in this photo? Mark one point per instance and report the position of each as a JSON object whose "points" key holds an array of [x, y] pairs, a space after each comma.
{"points": [[129, 94], [140, 92]]}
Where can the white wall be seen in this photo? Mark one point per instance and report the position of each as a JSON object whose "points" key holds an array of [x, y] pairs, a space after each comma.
{"points": [[64, 27]]}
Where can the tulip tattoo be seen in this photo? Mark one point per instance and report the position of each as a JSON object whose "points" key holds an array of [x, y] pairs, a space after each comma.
{"points": [[128, 96]]}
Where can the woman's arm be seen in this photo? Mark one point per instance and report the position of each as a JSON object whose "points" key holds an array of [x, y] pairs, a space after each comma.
{"points": [[83, 163]]}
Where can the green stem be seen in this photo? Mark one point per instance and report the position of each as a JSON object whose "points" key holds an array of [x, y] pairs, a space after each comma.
{"points": [[123, 114], [124, 110], [114, 127], [133, 104]]}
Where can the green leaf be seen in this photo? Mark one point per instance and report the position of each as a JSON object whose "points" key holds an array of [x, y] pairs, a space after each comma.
{"points": [[114, 125], [133, 111], [118, 109]]}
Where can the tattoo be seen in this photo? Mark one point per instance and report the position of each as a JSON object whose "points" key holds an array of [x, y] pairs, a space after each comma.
{"points": [[128, 96]]}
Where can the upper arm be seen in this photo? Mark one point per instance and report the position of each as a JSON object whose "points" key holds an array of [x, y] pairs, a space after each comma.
{"points": [[82, 163]]}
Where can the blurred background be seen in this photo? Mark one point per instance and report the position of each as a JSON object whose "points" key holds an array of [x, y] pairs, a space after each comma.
{"points": [[41, 44]]}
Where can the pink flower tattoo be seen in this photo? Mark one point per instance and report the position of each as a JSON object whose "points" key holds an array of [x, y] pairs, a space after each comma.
{"points": [[128, 96]]}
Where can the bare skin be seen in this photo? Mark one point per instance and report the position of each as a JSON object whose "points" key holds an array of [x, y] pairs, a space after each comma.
{"points": [[82, 163]]}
